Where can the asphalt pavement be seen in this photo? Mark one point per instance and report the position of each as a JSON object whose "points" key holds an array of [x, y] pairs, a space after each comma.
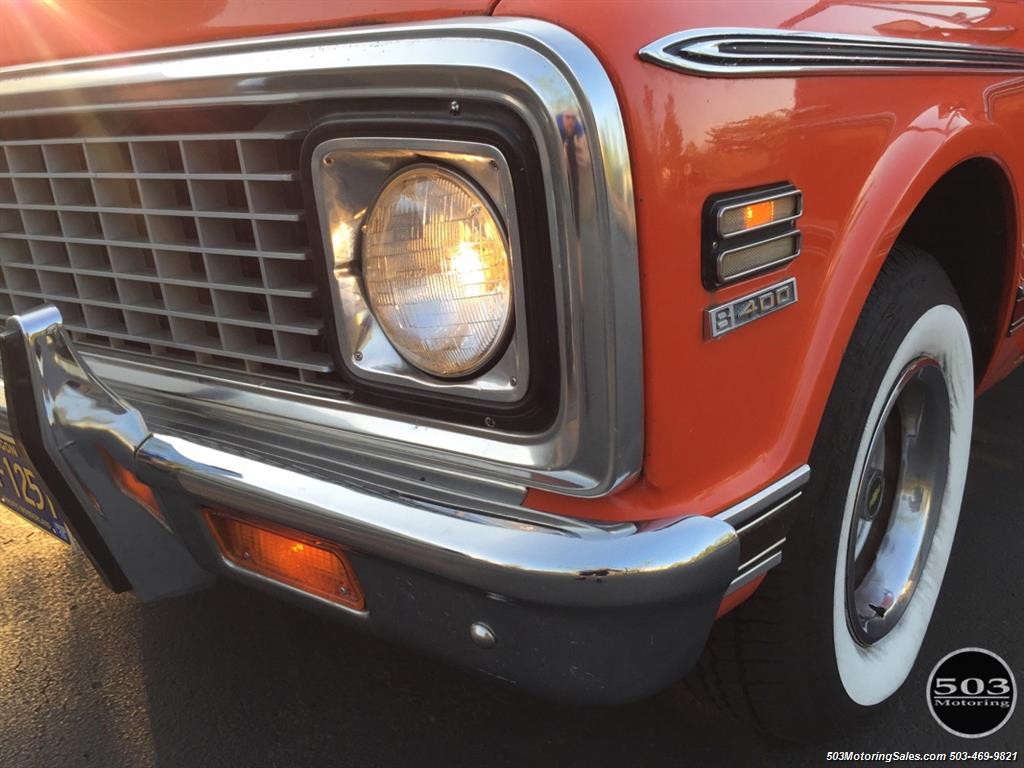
{"points": [[231, 677]]}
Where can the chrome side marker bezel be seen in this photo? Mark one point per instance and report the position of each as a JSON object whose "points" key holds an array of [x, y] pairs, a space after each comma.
{"points": [[718, 243]]}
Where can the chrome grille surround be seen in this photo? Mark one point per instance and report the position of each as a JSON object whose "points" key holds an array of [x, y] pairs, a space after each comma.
{"points": [[539, 70]]}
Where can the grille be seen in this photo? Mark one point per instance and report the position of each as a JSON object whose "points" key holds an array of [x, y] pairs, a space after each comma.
{"points": [[187, 247]]}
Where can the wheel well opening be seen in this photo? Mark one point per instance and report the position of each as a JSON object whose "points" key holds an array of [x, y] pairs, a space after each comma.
{"points": [[966, 222]]}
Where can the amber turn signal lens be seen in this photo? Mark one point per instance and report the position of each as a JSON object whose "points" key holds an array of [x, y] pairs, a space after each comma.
{"points": [[758, 215], [737, 218], [290, 557]]}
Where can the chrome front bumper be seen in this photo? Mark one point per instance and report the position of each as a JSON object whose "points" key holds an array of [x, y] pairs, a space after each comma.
{"points": [[600, 612]]}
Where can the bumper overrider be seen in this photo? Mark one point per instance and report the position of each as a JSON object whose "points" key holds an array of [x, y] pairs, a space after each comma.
{"points": [[566, 608]]}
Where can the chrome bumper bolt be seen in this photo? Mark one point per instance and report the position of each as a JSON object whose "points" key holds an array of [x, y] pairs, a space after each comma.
{"points": [[482, 635]]}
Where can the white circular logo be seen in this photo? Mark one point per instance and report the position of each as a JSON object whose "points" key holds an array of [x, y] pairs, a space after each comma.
{"points": [[971, 693]]}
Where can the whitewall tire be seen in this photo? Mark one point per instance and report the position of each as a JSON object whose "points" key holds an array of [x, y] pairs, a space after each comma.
{"points": [[873, 672], [835, 629]]}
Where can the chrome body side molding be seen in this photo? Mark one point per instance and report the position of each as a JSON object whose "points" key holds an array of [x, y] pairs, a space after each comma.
{"points": [[761, 523], [550, 79], [728, 52], [1017, 319]]}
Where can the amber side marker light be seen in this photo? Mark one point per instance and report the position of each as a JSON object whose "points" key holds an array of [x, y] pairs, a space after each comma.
{"points": [[749, 232], [287, 556], [758, 214]]}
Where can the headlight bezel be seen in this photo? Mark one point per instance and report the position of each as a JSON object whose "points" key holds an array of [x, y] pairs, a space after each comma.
{"points": [[348, 174]]}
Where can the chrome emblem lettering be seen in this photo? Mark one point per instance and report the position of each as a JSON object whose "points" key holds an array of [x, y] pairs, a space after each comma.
{"points": [[728, 317]]}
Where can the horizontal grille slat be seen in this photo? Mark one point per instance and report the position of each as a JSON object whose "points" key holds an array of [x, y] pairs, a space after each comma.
{"points": [[308, 327], [313, 362], [188, 247], [249, 136], [298, 291], [211, 214], [154, 176]]}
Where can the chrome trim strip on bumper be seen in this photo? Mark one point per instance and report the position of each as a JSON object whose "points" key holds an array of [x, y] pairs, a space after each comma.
{"points": [[739, 52], [757, 566], [1017, 317], [543, 73], [745, 511], [564, 562], [761, 523]]}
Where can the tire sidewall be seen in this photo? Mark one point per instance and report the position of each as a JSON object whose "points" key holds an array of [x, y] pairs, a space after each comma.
{"points": [[871, 674], [775, 658]]}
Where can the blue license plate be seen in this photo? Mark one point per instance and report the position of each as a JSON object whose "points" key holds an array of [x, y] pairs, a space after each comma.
{"points": [[22, 491]]}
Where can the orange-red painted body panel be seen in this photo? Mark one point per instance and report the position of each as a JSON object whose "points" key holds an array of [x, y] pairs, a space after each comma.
{"points": [[723, 418], [39, 30]]}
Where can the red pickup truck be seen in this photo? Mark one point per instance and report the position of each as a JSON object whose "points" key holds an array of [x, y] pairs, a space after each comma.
{"points": [[537, 335]]}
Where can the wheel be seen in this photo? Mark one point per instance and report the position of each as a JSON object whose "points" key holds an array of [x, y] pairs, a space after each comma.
{"points": [[836, 628]]}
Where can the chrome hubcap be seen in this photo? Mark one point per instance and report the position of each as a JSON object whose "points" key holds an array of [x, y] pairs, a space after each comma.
{"points": [[898, 500]]}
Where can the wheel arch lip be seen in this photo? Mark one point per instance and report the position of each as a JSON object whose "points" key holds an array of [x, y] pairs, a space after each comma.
{"points": [[913, 162]]}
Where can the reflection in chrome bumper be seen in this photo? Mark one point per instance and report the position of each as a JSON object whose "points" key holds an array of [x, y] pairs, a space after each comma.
{"points": [[573, 608], [571, 564]]}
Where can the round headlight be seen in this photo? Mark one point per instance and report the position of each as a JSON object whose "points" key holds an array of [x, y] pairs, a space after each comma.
{"points": [[437, 271]]}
